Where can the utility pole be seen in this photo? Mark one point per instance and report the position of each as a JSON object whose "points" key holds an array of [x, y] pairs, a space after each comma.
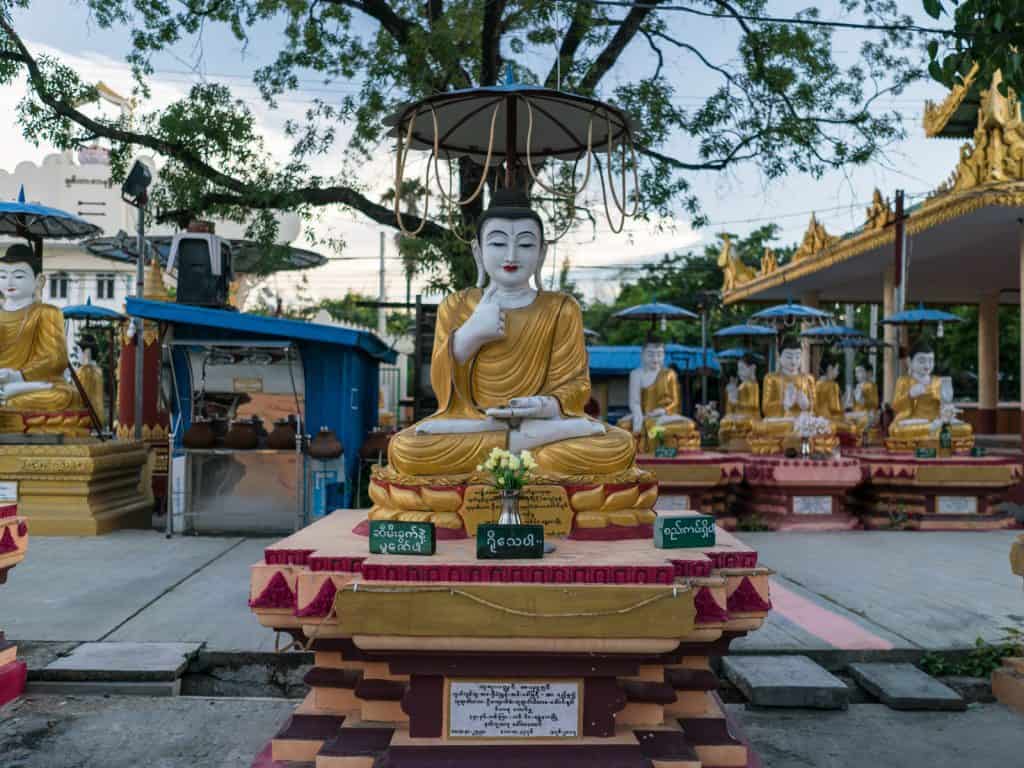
{"points": [[140, 343], [901, 271], [382, 320]]}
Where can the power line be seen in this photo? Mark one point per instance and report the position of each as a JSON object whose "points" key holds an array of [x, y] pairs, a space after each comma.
{"points": [[794, 21]]}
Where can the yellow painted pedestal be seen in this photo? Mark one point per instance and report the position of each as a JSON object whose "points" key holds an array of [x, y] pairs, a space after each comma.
{"points": [[79, 488]]}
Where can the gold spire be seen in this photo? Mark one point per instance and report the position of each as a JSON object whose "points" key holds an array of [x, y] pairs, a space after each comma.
{"points": [[153, 284]]}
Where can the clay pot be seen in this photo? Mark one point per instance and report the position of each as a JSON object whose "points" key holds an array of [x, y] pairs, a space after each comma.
{"points": [[282, 438], [199, 435], [325, 445], [243, 436]]}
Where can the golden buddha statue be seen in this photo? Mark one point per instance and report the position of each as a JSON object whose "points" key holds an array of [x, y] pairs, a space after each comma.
{"points": [[862, 401], [742, 406], [654, 401], [827, 400], [90, 376], [923, 403], [788, 397], [34, 396], [510, 371]]}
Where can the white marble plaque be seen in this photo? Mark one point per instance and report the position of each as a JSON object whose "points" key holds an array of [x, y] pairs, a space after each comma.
{"points": [[9, 492], [812, 505], [671, 503], [506, 709], [956, 505]]}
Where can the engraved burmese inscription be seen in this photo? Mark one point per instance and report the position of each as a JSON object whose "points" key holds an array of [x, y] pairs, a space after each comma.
{"points": [[546, 505], [501, 709]]}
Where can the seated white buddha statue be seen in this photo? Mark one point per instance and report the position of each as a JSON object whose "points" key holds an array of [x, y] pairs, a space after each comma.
{"points": [[654, 402], [33, 352], [510, 371], [742, 405], [922, 404], [787, 395], [862, 400]]}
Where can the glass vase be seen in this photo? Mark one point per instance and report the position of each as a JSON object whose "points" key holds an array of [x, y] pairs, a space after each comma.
{"points": [[509, 507], [805, 447]]}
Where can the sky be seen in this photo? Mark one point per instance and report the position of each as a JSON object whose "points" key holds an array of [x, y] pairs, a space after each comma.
{"points": [[738, 200]]}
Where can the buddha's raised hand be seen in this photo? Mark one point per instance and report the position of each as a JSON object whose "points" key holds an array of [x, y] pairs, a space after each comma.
{"points": [[486, 324]]}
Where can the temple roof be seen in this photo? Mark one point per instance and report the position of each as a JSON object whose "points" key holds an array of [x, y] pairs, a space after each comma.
{"points": [[956, 116]]}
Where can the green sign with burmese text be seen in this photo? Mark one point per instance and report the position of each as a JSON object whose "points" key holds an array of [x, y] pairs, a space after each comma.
{"points": [[509, 542], [392, 537], [679, 531]]}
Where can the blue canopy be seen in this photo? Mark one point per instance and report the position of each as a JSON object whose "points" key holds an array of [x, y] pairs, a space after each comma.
{"points": [[88, 311], [27, 220], [921, 315], [790, 313], [831, 332], [862, 342], [655, 311], [746, 330], [736, 353], [613, 360]]}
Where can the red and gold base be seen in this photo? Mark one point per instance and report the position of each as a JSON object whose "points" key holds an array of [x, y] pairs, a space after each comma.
{"points": [[627, 630], [952, 493], [13, 545], [699, 481], [783, 494]]}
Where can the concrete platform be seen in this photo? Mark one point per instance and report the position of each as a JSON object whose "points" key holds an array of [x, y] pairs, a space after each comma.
{"points": [[786, 681], [904, 686], [111, 661]]}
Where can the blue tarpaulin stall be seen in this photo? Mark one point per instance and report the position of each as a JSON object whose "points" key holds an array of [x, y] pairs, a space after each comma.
{"points": [[339, 367]]}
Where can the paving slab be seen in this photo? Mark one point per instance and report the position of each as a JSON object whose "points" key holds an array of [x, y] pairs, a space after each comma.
{"points": [[136, 662], [904, 686], [786, 681]]}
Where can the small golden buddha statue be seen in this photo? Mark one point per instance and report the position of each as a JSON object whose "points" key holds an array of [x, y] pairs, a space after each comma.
{"points": [[510, 371], [827, 401], [33, 353], [862, 401], [787, 395], [654, 402], [742, 406], [90, 376], [923, 403]]}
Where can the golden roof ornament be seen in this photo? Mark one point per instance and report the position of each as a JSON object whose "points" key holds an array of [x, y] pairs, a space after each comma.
{"points": [[734, 271], [769, 262], [816, 239], [879, 214]]}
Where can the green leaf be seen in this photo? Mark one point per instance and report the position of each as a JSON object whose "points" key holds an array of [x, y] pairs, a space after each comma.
{"points": [[933, 49], [933, 8]]}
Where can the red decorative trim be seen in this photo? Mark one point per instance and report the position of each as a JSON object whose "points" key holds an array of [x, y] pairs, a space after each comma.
{"points": [[520, 574], [8, 510], [708, 609], [692, 569], [23, 529], [7, 542], [746, 599], [287, 556], [12, 681], [612, 533], [747, 559], [321, 604], [277, 594], [346, 564]]}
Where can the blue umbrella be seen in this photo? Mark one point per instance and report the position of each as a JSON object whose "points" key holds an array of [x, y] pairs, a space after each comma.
{"points": [[861, 342], [88, 311], [922, 316], [38, 222], [790, 313], [737, 353], [745, 330], [655, 311], [829, 332]]}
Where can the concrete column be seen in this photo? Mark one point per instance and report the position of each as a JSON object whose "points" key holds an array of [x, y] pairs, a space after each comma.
{"points": [[848, 355], [811, 353], [890, 360], [988, 363], [1020, 285]]}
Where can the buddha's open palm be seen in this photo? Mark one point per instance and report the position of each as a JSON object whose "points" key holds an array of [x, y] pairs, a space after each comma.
{"points": [[536, 407]]}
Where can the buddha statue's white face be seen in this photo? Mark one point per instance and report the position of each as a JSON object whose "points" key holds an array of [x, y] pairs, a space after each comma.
{"points": [[747, 371], [510, 250], [860, 373], [790, 361], [922, 364], [653, 357], [18, 283]]}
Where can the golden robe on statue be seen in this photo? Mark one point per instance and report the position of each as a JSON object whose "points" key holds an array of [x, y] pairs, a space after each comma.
{"points": [[865, 410], [915, 417], [829, 405], [663, 394], [32, 342], [741, 415], [542, 354]]}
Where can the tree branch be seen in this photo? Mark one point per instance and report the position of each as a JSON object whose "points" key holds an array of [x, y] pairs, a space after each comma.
{"points": [[571, 42], [490, 42], [610, 54], [393, 23], [720, 164]]}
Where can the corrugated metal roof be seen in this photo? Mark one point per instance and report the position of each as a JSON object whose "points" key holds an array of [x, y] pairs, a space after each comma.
{"points": [[620, 360], [258, 325]]}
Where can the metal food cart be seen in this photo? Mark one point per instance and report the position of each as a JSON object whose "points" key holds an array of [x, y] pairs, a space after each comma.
{"points": [[326, 374]]}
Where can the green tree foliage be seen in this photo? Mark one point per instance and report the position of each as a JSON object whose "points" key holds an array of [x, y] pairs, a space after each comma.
{"points": [[989, 33], [786, 99], [688, 280], [351, 308]]}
